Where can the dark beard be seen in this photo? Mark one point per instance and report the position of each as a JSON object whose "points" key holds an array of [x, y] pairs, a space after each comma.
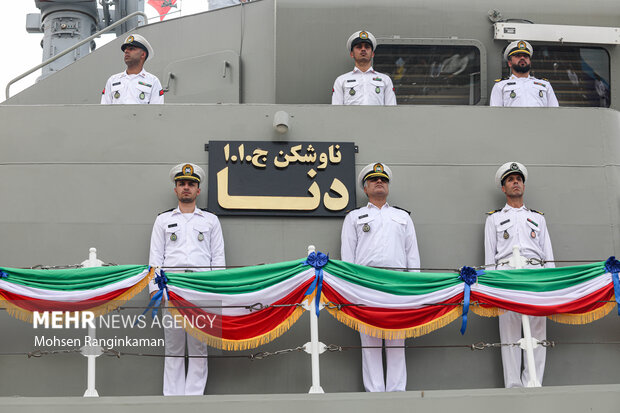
{"points": [[521, 69]]}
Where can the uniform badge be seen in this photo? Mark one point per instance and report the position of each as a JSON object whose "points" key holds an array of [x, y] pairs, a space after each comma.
{"points": [[173, 237], [352, 92], [366, 228], [378, 89], [506, 235], [141, 96], [117, 95], [533, 234], [513, 94], [188, 170], [540, 93], [201, 236]]}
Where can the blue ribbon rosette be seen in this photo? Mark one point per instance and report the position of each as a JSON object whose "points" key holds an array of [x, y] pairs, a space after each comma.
{"points": [[612, 265], [162, 283], [469, 276], [317, 260]]}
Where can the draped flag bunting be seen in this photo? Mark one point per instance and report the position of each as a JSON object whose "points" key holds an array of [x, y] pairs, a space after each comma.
{"points": [[243, 308], [97, 289], [256, 304], [393, 304]]}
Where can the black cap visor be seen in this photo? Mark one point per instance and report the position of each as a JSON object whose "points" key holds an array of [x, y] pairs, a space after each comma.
{"points": [[136, 44], [358, 41]]}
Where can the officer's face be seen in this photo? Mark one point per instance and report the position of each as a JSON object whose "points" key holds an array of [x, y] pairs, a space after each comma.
{"points": [[186, 191], [377, 187], [133, 55], [362, 53], [513, 187], [520, 62]]}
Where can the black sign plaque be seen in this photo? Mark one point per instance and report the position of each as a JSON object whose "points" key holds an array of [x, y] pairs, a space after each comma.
{"points": [[281, 179]]}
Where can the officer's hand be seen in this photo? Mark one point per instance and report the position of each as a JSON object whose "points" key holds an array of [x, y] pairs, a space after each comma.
{"points": [[153, 293]]}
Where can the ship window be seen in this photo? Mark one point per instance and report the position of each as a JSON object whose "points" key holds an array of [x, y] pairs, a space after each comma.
{"points": [[431, 74], [579, 75]]}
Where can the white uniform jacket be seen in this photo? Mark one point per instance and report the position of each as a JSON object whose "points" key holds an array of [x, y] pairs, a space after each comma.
{"points": [[363, 88], [524, 92], [516, 226], [382, 237], [177, 241], [142, 88]]}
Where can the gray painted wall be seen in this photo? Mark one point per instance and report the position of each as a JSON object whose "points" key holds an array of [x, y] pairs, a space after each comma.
{"points": [[90, 175], [596, 399], [291, 51], [247, 30]]}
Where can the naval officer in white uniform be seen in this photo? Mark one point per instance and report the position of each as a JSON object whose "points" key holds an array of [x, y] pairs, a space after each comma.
{"points": [[363, 86], [515, 224], [185, 235], [521, 88], [135, 85], [380, 235]]}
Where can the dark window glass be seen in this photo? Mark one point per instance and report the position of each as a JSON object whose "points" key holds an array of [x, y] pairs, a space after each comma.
{"points": [[431, 75], [579, 75]]}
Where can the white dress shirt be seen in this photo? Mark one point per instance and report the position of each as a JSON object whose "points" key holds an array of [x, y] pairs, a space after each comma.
{"points": [[389, 239], [524, 92], [141, 88], [363, 88], [177, 241], [516, 226]]}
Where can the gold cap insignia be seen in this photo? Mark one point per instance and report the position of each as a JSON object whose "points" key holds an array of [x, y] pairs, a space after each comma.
{"points": [[188, 170]]}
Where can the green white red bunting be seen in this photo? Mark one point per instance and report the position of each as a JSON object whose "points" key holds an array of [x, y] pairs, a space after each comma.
{"points": [[254, 305]]}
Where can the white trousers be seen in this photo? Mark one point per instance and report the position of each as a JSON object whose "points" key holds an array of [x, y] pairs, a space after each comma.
{"points": [[372, 365], [175, 381], [510, 332]]}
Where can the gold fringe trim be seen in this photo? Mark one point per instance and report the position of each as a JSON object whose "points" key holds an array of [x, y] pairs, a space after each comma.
{"points": [[26, 315], [247, 344], [564, 318], [390, 334], [585, 318], [486, 311]]}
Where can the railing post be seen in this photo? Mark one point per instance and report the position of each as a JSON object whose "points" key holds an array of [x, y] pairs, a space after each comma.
{"points": [[91, 352], [72, 48], [314, 347], [528, 343]]}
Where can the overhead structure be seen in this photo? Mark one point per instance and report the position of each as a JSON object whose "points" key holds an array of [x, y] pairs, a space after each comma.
{"points": [[65, 23], [556, 33]]}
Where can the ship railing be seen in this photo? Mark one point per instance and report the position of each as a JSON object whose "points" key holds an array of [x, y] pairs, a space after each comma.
{"points": [[315, 347], [72, 48]]}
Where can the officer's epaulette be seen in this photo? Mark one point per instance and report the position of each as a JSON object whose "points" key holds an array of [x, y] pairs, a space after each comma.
{"points": [[402, 209], [501, 78], [206, 210], [494, 211], [538, 212], [540, 78], [351, 210], [168, 210]]}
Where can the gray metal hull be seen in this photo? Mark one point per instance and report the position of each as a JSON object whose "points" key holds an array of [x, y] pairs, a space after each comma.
{"points": [[74, 175]]}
